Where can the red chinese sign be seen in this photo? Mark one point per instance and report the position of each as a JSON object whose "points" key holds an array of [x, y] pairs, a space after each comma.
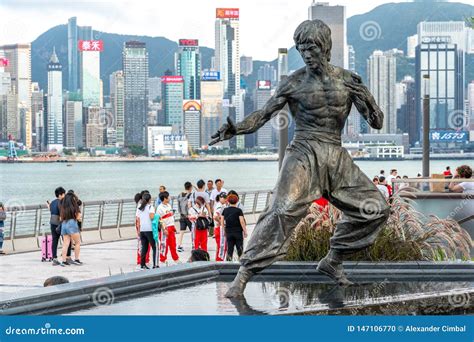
{"points": [[188, 42], [172, 79], [3, 62], [91, 45], [227, 13]]}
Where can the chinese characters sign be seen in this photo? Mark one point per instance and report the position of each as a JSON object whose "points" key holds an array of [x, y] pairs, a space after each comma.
{"points": [[91, 45], [227, 13], [188, 42], [3, 62], [211, 76], [172, 79], [448, 136]]}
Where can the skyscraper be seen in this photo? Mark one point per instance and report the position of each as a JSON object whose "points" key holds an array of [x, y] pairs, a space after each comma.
{"points": [[19, 67], [444, 63], [5, 98], [73, 129], [117, 100], [72, 54], [406, 114], [335, 18], [172, 101], [227, 60], [246, 65], [382, 73], [192, 122], [263, 92], [282, 63], [212, 93], [54, 131], [90, 71], [188, 65], [135, 73], [267, 72], [37, 119]]}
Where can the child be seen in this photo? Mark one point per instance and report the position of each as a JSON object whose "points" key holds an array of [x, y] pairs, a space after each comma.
{"points": [[199, 216], [219, 234], [168, 233]]}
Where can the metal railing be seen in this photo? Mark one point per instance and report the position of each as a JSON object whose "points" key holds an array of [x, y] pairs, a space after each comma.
{"points": [[33, 221]]}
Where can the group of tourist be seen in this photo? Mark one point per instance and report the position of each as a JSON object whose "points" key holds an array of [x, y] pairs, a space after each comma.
{"points": [[388, 187], [206, 210]]}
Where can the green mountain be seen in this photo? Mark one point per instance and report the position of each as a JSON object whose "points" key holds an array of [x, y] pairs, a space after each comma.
{"points": [[385, 27]]}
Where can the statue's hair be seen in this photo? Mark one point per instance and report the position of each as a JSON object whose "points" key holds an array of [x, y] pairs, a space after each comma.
{"points": [[314, 32]]}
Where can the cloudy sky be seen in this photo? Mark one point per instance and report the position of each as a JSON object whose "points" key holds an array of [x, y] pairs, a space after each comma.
{"points": [[265, 25]]}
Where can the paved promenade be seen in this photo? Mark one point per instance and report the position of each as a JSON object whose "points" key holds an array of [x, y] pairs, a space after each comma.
{"points": [[24, 271]]}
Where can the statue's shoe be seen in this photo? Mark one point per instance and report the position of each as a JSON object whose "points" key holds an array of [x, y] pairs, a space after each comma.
{"points": [[334, 270], [237, 287]]}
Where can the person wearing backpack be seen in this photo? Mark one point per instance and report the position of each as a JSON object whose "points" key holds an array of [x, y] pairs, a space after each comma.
{"points": [[199, 216], [55, 223], [3, 217], [184, 223]]}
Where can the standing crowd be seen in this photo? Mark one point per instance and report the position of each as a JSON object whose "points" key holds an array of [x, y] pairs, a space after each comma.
{"points": [[206, 210]]}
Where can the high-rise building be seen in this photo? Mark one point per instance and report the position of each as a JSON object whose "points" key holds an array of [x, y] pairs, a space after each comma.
{"points": [[470, 105], [212, 93], [72, 54], [172, 101], [453, 32], [246, 65], [19, 67], [352, 126], [382, 73], [265, 135], [73, 129], [135, 70], [444, 64], [90, 72], [192, 122], [154, 89], [412, 42], [267, 72], [227, 60], [282, 63], [188, 65], [406, 113], [37, 122], [335, 18], [54, 130], [117, 100], [95, 130], [5, 93], [351, 58]]}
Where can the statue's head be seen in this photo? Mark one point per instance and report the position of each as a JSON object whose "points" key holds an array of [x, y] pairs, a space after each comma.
{"points": [[313, 41]]}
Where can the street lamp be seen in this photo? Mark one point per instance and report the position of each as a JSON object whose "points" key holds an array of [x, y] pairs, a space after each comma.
{"points": [[426, 125]]}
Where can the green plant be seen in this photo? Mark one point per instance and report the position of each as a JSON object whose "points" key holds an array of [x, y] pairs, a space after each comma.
{"points": [[408, 235]]}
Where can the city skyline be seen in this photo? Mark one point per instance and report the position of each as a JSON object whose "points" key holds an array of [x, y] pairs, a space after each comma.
{"points": [[123, 18]]}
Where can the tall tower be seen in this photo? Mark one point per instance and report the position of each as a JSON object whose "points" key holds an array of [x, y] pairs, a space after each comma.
{"points": [[382, 73], [19, 67], [335, 18], [117, 99], [188, 65], [72, 55], [135, 73], [90, 71], [282, 63], [172, 101], [227, 60], [55, 104]]}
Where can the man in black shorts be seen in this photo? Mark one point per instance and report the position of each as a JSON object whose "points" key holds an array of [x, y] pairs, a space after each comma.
{"points": [[184, 222]]}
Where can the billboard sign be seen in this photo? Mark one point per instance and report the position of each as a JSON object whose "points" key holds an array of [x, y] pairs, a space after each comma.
{"points": [[211, 76], [3, 62], [264, 85], [91, 45], [170, 139], [188, 42], [191, 105], [227, 13], [448, 136], [172, 79]]}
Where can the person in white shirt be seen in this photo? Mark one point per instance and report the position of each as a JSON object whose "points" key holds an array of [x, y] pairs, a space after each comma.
{"points": [[217, 190], [168, 233], [391, 176], [382, 187], [463, 171], [145, 214], [219, 234], [199, 216], [210, 187]]}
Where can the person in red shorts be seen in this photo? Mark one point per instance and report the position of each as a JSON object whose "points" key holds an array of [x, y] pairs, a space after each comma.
{"points": [[199, 216], [221, 204], [168, 233]]}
